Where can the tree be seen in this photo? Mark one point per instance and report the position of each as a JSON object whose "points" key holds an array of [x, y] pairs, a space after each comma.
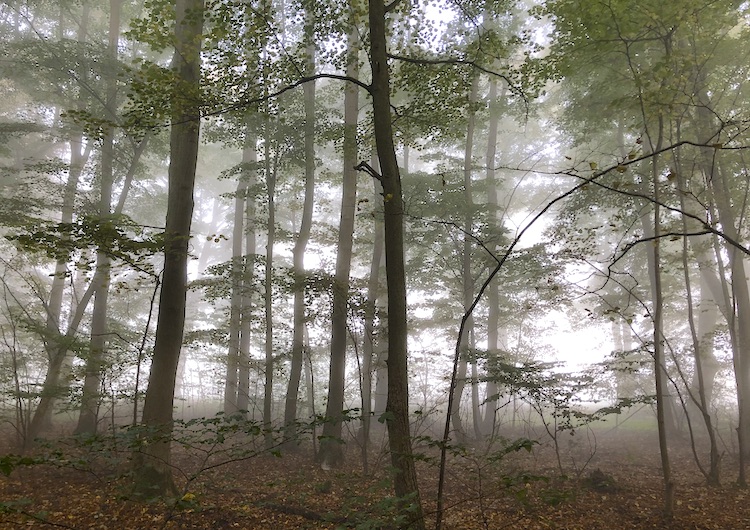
{"points": [[58, 343], [87, 419], [330, 446], [303, 237], [237, 273], [155, 473], [666, 57], [467, 339], [397, 408]]}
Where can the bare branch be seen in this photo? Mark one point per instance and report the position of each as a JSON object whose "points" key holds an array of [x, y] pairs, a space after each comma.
{"points": [[390, 7], [367, 168]]}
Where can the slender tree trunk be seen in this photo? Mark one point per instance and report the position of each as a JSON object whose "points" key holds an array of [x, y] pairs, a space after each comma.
{"points": [[702, 349], [331, 453], [88, 418], [249, 162], [373, 286], [298, 258], [493, 294], [466, 275], [268, 295], [153, 459], [310, 390], [740, 315], [397, 413], [57, 344], [739, 312], [711, 303], [235, 302], [660, 372]]}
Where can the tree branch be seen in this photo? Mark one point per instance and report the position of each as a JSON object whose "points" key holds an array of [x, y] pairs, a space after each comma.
{"points": [[367, 168], [462, 62]]}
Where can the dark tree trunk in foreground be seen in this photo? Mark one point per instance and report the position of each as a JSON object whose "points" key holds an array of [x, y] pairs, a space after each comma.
{"points": [[154, 472], [397, 410]]}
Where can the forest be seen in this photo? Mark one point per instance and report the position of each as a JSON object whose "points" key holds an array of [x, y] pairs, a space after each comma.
{"points": [[451, 264]]}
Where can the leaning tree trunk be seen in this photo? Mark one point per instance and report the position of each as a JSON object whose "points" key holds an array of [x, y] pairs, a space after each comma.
{"points": [[153, 459], [702, 348], [739, 319], [56, 343], [397, 410], [331, 453]]}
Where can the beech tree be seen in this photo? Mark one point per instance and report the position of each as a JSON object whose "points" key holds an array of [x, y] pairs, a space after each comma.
{"points": [[155, 473], [633, 157], [330, 448], [397, 408]]}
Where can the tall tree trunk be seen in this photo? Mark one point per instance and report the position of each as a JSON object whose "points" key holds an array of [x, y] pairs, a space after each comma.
{"points": [[699, 404], [270, 173], [466, 275], [235, 301], [56, 344], [660, 371], [88, 417], [739, 319], [711, 302], [373, 286], [153, 459], [298, 257], [331, 453], [740, 316], [397, 413], [493, 294], [647, 224], [250, 173]]}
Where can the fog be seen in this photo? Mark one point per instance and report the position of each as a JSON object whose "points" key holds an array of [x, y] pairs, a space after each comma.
{"points": [[405, 265]]}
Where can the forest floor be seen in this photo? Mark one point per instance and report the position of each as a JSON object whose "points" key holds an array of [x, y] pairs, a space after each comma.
{"points": [[613, 483]]}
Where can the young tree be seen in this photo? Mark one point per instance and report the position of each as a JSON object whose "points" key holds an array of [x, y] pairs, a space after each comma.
{"points": [[467, 338]]}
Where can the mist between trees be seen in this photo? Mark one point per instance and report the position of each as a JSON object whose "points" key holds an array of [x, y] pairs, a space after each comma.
{"points": [[354, 234]]}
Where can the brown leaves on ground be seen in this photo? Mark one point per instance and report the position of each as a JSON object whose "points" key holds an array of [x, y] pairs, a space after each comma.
{"points": [[618, 488]]}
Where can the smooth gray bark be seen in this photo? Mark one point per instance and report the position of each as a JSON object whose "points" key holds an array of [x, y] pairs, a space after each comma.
{"points": [[300, 246], [331, 453]]}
